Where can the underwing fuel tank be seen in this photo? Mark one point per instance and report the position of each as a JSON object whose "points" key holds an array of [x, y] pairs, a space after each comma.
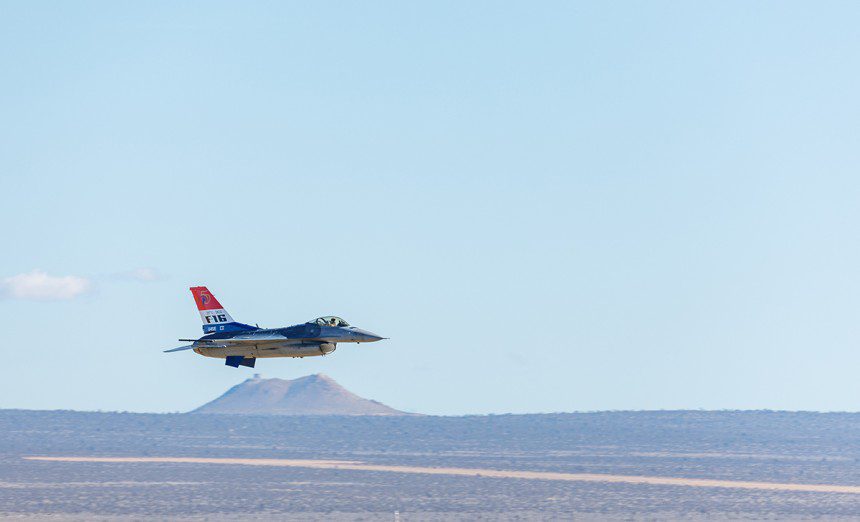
{"points": [[302, 350]]}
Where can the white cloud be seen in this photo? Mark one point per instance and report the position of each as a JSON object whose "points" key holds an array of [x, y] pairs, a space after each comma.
{"points": [[39, 286], [145, 274]]}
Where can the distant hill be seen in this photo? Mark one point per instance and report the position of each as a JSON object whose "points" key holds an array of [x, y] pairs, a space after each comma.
{"points": [[311, 395]]}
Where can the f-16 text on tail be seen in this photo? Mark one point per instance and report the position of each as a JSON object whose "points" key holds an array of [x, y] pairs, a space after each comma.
{"points": [[242, 344]]}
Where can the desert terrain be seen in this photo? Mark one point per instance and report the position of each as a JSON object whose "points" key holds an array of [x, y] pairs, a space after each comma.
{"points": [[660, 465]]}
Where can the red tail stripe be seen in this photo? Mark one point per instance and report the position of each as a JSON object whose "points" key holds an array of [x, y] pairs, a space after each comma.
{"points": [[204, 299]]}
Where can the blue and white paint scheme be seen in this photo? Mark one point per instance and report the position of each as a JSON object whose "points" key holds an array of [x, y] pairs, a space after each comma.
{"points": [[242, 344]]}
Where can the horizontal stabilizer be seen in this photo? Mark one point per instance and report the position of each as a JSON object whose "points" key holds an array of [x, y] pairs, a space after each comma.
{"points": [[181, 348]]}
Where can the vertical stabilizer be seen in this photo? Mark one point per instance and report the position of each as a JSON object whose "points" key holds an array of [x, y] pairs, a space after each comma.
{"points": [[215, 318]]}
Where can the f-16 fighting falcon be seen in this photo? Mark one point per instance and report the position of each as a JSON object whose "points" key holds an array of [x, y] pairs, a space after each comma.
{"points": [[242, 344]]}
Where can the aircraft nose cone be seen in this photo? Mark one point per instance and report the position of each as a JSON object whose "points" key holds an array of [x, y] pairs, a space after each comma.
{"points": [[368, 337]]}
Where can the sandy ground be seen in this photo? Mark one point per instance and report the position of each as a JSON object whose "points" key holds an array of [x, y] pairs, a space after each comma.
{"points": [[471, 472]]}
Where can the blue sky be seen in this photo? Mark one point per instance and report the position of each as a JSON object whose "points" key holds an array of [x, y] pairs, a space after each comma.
{"points": [[548, 207]]}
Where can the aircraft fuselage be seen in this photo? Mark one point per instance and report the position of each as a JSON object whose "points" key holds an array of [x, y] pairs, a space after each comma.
{"points": [[301, 340]]}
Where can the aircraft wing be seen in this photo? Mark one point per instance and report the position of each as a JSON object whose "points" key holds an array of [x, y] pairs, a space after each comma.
{"points": [[240, 340], [245, 340]]}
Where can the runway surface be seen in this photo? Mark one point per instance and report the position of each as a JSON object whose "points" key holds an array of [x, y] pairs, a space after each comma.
{"points": [[469, 472]]}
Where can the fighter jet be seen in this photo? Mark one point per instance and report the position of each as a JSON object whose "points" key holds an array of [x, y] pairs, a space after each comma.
{"points": [[242, 344]]}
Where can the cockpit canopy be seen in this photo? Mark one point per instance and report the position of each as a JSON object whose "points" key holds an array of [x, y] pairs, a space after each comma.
{"points": [[330, 320]]}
